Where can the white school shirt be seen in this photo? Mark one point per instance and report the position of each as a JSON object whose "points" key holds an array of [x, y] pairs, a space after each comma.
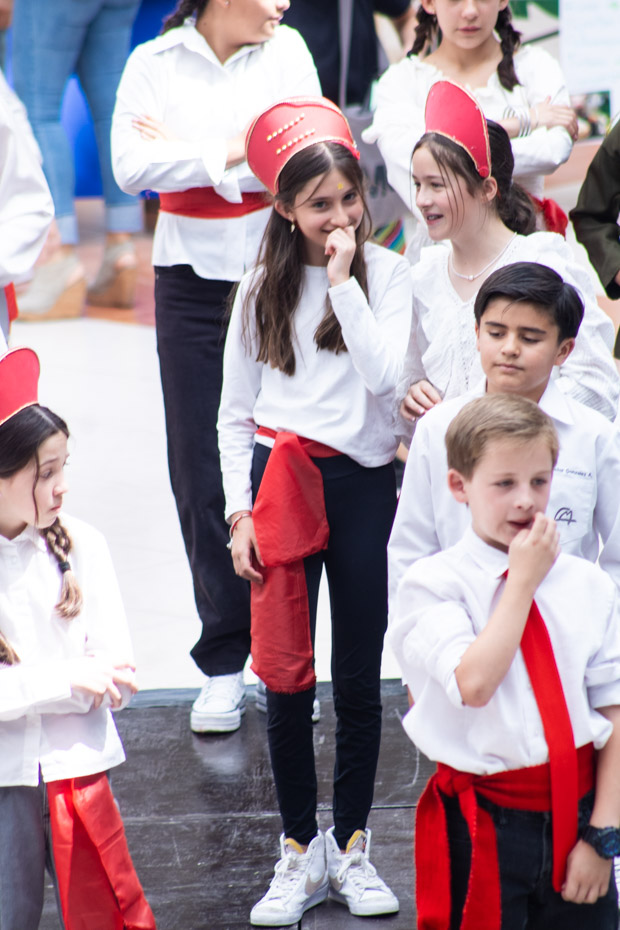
{"points": [[178, 79], [399, 116], [584, 489], [445, 601], [442, 347], [343, 400], [41, 723]]}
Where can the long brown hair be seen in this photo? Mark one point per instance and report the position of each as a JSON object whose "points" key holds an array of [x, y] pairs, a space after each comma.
{"points": [[276, 289], [184, 9], [428, 30]]}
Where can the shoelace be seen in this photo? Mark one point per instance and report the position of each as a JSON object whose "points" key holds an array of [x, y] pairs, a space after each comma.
{"points": [[361, 872], [217, 687], [286, 874]]}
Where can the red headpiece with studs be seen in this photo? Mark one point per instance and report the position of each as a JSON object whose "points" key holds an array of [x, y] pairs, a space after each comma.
{"points": [[19, 379], [290, 126], [453, 112]]}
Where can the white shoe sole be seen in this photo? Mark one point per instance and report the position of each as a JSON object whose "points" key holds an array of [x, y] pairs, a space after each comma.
{"points": [[286, 920], [216, 723]]}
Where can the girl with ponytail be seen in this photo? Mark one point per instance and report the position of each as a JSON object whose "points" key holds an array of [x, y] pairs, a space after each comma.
{"points": [[65, 660], [473, 43], [462, 173]]}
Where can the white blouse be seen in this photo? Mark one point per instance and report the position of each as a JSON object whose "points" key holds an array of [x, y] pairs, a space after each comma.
{"points": [[399, 117], [442, 347], [177, 79], [41, 722], [444, 603], [343, 400]]}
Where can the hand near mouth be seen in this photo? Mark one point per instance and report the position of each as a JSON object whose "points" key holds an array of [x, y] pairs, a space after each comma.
{"points": [[533, 551], [340, 247]]}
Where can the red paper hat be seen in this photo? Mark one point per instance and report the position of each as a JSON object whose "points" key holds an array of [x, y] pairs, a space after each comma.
{"points": [[290, 126], [19, 378], [453, 112]]}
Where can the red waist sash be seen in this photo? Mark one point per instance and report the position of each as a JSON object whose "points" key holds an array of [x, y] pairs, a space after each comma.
{"points": [[290, 523], [205, 203], [97, 883], [554, 216], [524, 789]]}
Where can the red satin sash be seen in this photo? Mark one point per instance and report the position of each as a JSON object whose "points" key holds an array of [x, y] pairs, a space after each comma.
{"points": [[554, 216], [205, 203], [97, 883], [290, 523]]}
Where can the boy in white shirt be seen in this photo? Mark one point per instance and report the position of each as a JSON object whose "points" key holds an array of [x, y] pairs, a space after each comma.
{"points": [[515, 699], [527, 319]]}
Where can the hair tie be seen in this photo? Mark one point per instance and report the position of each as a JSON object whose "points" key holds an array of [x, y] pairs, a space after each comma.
{"points": [[64, 567]]}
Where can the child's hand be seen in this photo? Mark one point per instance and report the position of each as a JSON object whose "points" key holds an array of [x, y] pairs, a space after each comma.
{"points": [[549, 114], [151, 129], [533, 551], [93, 676], [244, 550], [340, 247], [420, 397], [587, 875]]}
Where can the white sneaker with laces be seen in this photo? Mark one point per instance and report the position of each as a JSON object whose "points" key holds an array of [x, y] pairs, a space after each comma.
{"points": [[353, 880], [220, 705], [261, 702], [299, 883]]}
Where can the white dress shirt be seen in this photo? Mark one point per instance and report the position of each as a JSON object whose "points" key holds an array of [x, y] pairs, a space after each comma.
{"points": [[41, 722], [445, 601], [442, 348], [177, 79], [343, 400], [584, 489], [399, 116]]}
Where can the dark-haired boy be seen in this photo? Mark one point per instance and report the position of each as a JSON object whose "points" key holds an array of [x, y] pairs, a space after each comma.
{"points": [[511, 650], [527, 319]]}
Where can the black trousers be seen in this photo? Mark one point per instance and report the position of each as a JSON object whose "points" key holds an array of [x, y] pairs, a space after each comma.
{"points": [[190, 316], [360, 505]]}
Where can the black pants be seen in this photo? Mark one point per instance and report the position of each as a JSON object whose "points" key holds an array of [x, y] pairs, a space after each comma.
{"points": [[191, 329], [360, 505]]}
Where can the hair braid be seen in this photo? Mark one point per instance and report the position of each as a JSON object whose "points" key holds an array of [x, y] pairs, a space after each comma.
{"points": [[59, 545], [425, 31], [8, 656], [510, 41], [184, 9]]}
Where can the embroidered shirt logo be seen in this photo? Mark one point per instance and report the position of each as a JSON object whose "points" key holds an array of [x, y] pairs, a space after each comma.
{"points": [[564, 515]]}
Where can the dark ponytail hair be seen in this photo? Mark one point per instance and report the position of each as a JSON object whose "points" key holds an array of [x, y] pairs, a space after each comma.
{"points": [[184, 9], [513, 205], [277, 289], [20, 439], [533, 283], [428, 31]]}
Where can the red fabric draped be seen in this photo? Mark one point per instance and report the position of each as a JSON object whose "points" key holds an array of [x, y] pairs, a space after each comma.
{"points": [[205, 203], [555, 786], [11, 301], [290, 524], [554, 216], [97, 883]]}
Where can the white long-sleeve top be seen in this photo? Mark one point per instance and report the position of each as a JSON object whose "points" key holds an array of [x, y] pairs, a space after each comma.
{"points": [[399, 116], [41, 722], [444, 603], [177, 79], [442, 347], [343, 400], [584, 490]]}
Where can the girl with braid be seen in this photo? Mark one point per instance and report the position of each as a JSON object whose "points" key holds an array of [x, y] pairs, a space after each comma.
{"points": [[65, 660], [184, 105], [473, 43]]}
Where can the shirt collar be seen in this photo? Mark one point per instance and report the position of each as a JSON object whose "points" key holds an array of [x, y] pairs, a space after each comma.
{"points": [[188, 35], [494, 562], [29, 535], [555, 404]]}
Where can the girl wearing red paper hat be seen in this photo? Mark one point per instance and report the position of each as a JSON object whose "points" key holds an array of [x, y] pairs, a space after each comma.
{"points": [[65, 660], [314, 351], [184, 105], [474, 43], [462, 173]]}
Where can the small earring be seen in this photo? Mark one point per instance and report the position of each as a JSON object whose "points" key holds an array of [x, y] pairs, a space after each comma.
{"points": [[292, 227]]}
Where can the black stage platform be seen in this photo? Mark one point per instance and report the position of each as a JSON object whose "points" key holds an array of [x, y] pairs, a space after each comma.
{"points": [[202, 820]]}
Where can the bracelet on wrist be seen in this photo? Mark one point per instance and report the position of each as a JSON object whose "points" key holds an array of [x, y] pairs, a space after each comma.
{"points": [[233, 525]]}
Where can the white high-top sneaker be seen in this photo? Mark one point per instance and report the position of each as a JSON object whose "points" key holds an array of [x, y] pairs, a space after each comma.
{"points": [[299, 882], [353, 880]]}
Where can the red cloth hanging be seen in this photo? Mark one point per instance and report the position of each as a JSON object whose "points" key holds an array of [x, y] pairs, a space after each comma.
{"points": [[555, 786], [97, 882], [290, 523], [554, 216], [11, 301]]}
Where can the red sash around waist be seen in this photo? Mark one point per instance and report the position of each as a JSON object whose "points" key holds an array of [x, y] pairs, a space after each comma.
{"points": [[524, 789], [97, 883], [290, 523], [205, 203]]}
